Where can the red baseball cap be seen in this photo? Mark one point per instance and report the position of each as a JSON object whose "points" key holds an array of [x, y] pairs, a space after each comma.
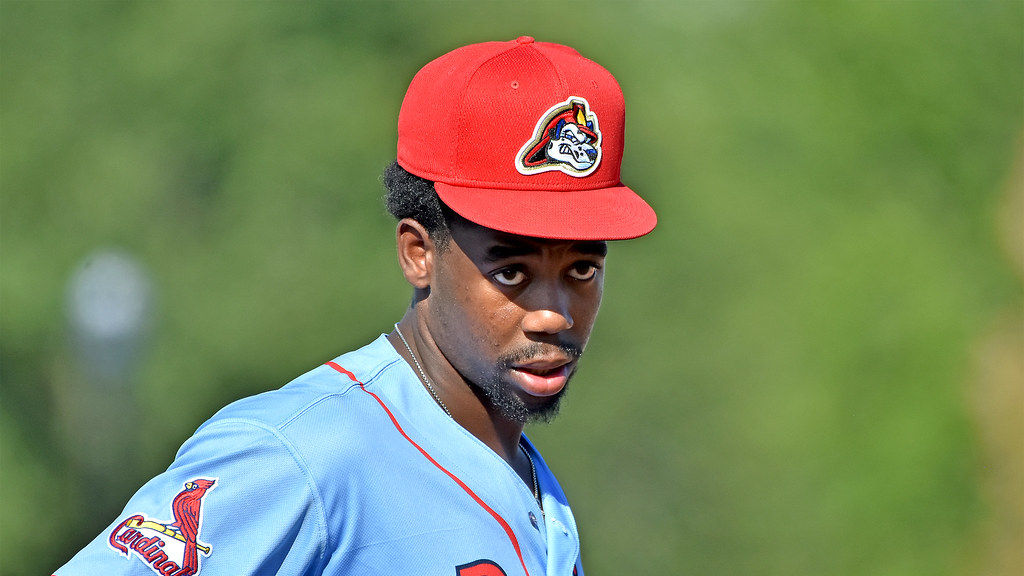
{"points": [[523, 137]]}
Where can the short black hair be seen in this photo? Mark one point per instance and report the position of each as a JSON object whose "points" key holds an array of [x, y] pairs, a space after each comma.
{"points": [[409, 196]]}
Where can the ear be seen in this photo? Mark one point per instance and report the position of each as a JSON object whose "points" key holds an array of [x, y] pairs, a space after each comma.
{"points": [[416, 253]]}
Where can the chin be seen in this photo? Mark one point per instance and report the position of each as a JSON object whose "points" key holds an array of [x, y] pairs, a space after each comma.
{"points": [[546, 412], [506, 400]]}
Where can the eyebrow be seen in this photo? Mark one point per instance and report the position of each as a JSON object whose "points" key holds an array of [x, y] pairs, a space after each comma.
{"points": [[593, 248], [512, 250]]}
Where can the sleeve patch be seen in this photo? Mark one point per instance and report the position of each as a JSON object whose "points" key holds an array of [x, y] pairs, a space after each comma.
{"points": [[169, 548]]}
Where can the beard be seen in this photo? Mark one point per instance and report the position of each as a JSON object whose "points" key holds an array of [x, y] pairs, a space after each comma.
{"points": [[498, 393]]}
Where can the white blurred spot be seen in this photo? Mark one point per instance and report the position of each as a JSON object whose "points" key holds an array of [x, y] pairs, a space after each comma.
{"points": [[109, 296]]}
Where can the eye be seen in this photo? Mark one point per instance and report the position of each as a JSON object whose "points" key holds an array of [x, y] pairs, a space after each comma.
{"points": [[509, 276], [583, 270]]}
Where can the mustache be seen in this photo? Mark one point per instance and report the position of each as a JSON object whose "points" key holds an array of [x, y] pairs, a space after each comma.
{"points": [[538, 349]]}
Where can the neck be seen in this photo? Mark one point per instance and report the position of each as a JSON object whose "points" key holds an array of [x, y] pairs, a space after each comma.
{"points": [[454, 393]]}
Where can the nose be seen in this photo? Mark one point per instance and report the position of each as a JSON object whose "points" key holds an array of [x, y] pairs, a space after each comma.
{"points": [[550, 311]]}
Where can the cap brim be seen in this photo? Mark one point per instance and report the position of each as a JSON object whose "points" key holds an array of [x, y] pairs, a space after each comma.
{"points": [[615, 213]]}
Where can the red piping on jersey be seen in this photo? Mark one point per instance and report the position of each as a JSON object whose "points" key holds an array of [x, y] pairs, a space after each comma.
{"points": [[495, 515]]}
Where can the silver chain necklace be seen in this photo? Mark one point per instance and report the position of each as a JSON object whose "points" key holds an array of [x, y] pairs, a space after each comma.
{"points": [[423, 375], [437, 398], [533, 475]]}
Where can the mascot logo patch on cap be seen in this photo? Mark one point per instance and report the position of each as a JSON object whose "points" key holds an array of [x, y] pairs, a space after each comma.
{"points": [[168, 548], [566, 138]]}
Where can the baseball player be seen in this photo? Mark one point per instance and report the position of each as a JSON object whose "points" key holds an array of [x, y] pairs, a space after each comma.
{"points": [[407, 456]]}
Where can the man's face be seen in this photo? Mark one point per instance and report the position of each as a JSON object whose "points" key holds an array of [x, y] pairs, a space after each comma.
{"points": [[513, 314]]}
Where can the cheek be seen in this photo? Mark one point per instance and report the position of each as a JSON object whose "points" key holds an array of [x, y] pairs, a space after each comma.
{"points": [[589, 305], [486, 314], [503, 318], [476, 321]]}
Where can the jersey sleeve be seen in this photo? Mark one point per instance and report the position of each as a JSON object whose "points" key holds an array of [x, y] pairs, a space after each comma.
{"points": [[237, 500]]}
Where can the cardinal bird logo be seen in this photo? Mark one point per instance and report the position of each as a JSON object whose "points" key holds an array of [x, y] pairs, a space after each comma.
{"points": [[168, 548], [186, 508]]}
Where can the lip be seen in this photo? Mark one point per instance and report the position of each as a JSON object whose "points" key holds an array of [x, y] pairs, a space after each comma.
{"points": [[543, 377], [543, 364]]}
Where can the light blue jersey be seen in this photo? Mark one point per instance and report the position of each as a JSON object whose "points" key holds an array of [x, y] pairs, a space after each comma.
{"points": [[352, 468]]}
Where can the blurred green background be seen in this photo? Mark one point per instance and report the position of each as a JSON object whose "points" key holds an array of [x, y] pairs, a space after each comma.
{"points": [[813, 366]]}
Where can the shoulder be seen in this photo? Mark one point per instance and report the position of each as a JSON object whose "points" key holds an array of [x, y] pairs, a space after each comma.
{"points": [[324, 388], [316, 420]]}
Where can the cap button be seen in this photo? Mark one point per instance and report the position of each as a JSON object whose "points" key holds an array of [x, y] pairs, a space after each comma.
{"points": [[524, 40]]}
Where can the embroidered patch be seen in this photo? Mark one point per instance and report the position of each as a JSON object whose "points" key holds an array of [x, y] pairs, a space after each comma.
{"points": [[566, 138], [168, 548]]}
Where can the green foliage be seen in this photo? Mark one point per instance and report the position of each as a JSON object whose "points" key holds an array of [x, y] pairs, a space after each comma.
{"points": [[776, 384]]}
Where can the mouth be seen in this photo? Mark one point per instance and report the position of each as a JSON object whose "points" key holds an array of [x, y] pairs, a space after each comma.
{"points": [[543, 377]]}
